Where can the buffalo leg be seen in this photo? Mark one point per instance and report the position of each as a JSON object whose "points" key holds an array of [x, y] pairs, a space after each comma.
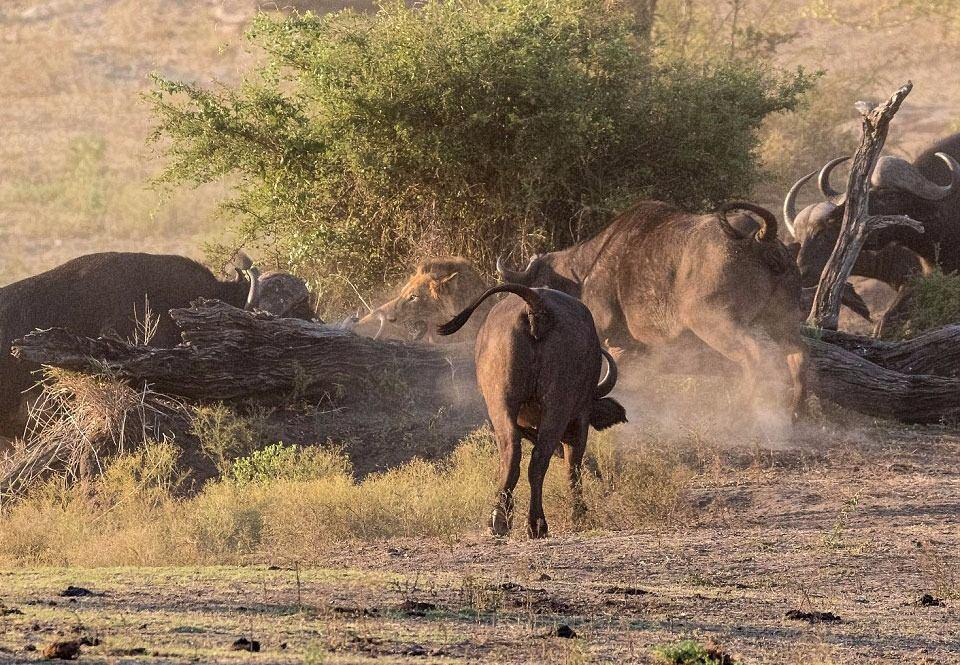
{"points": [[797, 362], [574, 447], [738, 344], [896, 314], [547, 441], [508, 440]]}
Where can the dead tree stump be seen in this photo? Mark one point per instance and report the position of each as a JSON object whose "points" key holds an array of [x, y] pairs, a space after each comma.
{"points": [[857, 222]]}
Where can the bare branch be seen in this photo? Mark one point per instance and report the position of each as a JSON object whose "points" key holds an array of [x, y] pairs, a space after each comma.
{"points": [[857, 222]]}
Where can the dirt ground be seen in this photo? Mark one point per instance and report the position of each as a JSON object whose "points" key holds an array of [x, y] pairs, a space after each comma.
{"points": [[860, 523]]}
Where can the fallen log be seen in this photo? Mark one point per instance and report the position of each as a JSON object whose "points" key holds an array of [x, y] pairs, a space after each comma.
{"points": [[847, 379], [229, 354], [935, 352]]}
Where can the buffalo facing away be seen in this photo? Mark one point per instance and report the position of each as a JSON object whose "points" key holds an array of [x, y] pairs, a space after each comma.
{"points": [[538, 366], [437, 290], [108, 293], [657, 273]]}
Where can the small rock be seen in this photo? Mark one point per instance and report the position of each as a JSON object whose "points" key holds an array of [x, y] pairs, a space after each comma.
{"points": [[927, 600], [510, 586], [543, 577], [273, 568], [78, 592], [812, 617], [283, 645], [8, 611], [564, 631], [626, 591], [61, 650], [243, 644], [29, 648]]}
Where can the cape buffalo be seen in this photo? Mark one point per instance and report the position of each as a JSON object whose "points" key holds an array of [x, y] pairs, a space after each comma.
{"points": [[438, 289], [925, 190], [657, 273], [538, 364], [108, 293]]}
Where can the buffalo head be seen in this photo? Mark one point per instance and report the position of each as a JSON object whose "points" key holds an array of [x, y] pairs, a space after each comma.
{"points": [[278, 293], [896, 188]]}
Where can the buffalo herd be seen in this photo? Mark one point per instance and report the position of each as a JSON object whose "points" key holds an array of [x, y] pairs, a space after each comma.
{"points": [[654, 276]]}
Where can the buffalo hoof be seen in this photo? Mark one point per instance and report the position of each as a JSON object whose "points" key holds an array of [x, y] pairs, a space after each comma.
{"points": [[537, 529], [499, 522]]}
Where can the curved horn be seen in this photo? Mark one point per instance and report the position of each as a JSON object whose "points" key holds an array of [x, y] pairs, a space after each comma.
{"points": [[610, 379], [823, 182], [383, 321], [897, 173], [253, 296], [242, 261], [790, 203], [516, 276]]}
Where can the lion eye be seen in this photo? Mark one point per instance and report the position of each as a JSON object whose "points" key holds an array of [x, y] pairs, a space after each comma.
{"points": [[413, 297]]}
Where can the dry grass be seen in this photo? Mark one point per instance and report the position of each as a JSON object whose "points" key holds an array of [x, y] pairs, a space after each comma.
{"points": [[132, 515], [79, 423]]}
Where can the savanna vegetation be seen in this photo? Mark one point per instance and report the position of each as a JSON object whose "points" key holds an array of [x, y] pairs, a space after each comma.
{"points": [[290, 503], [345, 146], [365, 142]]}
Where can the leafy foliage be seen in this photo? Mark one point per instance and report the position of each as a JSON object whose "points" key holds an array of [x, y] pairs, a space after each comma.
{"points": [[934, 302], [280, 462], [365, 142], [691, 652]]}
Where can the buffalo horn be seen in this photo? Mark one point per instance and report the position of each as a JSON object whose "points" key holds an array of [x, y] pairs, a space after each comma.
{"points": [[514, 276], [790, 203], [896, 173], [823, 182], [610, 379], [253, 296]]}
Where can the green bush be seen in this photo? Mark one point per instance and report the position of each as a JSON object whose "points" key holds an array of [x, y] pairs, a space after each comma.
{"points": [[280, 462], [934, 302], [364, 142], [691, 652]]}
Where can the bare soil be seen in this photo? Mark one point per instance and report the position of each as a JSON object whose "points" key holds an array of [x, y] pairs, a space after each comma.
{"points": [[821, 552]]}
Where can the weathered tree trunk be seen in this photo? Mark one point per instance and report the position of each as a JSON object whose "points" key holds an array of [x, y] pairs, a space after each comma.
{"points": [[857, 222], [230, 354], [936, 352], [849, 380]]}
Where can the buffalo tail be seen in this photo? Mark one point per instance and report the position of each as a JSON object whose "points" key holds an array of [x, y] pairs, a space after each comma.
{"points": [[538, 311], [606, 412], [768, 222]]}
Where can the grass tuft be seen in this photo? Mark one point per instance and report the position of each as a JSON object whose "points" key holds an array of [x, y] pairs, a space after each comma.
{"points": [[691, 652], [287, 503]]}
